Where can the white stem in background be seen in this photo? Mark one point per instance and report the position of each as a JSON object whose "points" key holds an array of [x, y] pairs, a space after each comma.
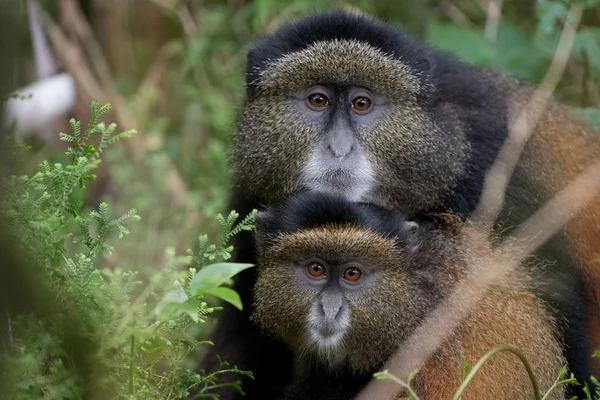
{"points": [[50, 98]]}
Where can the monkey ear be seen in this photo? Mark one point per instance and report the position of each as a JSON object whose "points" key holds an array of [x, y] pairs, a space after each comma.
{"points": [[412, 226], [411, 242], [261, 217], [264, 223], [427, 78]]}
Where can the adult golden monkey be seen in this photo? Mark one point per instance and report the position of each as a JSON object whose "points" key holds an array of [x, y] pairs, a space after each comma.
{"points": [[351, 106]]}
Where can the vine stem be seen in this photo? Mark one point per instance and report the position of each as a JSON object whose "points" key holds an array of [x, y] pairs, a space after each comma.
{"points": [[386, 375], [555, 385], [131, 367], [487, 356]]}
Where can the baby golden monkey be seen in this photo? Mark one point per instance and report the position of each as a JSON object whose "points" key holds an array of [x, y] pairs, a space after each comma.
{"points": [[344, 284]]}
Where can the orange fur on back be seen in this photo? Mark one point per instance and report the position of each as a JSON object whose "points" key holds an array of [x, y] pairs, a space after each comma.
{"points": [[572, 147], [505, 316]]}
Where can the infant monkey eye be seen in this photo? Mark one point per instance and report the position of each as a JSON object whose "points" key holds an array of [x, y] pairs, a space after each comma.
{"points": [[315, 269], [361, 103], [318, 101], [352, 274]]}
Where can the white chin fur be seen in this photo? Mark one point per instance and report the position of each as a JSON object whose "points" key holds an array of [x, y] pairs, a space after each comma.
{"points": [[353, 184], [329, 348]]}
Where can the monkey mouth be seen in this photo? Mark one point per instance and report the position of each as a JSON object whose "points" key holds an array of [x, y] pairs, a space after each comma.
{"points": [[338, 177], [328, 331], [328, 344], [328, 335], [351, 178], [337, 173], [340, 182]]}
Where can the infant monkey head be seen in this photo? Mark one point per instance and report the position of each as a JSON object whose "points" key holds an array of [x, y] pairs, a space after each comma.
{"points": [[343, 283]]}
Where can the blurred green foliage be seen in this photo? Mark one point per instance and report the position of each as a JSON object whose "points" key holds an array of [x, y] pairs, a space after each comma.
{"points": [[134, 333]]}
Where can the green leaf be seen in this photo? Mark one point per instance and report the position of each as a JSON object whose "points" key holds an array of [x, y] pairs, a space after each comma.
{"points": [[587, 42], [548, 12], [215, 275], [516, 54], [89, 150], [226, 294], [190, 307], [176, 294], [591, 114], [173, 300], [468, 44]]}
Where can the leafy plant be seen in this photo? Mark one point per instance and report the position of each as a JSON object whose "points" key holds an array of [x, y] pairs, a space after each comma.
{"points": [[136, 331]]}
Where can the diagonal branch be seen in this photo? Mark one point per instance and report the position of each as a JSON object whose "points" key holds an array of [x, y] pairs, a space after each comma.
{"points": [[440, 323], [104, 91], [498, 177]]}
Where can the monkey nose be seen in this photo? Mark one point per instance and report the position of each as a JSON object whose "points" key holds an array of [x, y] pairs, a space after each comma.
{"points": [[331, 310], [340, 150]]}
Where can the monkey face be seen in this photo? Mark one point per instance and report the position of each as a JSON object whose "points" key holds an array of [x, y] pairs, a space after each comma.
{"points": [[344, 118], [333, 295], [338, 165]]}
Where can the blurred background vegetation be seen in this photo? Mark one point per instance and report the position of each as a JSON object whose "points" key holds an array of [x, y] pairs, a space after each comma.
{"points": [[174, 71]]}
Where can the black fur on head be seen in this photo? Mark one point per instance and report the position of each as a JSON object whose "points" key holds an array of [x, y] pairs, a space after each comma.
{"points": [[311, 210], [338, 25], [436, 105]]}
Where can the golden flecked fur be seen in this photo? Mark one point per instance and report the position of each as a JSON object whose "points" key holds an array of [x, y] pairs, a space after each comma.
{"points": [[348, 62], [396, 303], [561, 147]]}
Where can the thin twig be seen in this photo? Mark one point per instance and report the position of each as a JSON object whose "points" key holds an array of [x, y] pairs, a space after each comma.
{"points": [[496, 181], [84, 32], [494, 12], [179, 8], [427, 338], [487, 356], [455, 14], [177, 191], [549, 219], [44, 61], [70, 57], [153, 78]]}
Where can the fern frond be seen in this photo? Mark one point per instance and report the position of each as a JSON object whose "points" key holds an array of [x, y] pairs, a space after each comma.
{"points": [[247, 224], [66, 137], [120, 136]]}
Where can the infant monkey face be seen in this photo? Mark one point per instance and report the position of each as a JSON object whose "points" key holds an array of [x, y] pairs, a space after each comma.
{"points": [[333, 312], [329, 317], [315, 317]]}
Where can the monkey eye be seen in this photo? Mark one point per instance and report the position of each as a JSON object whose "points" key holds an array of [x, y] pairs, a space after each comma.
{"points": [[361, 104], [318, 101], [352, 274], [315, 269]]}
